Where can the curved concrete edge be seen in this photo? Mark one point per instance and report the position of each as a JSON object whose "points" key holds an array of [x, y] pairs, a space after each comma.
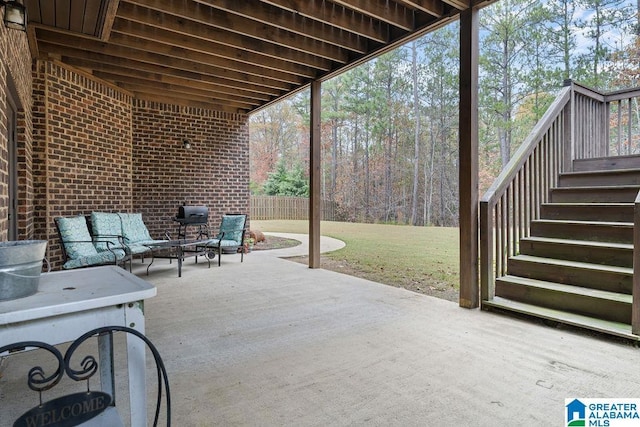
{"points": [[327, 244]]}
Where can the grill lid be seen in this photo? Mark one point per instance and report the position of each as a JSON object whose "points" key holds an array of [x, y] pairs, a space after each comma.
{"points": [[192, 215]]}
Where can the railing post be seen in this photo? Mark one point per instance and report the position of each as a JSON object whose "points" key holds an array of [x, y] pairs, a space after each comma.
{"points": [[487, 282], [606, 131], [635, 304], [568, 125]]}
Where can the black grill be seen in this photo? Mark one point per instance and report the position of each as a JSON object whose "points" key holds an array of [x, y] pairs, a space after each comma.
{"points": [[192, 215]]}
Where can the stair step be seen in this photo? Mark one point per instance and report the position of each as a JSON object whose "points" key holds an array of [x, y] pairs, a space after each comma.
{"points": [[619, 212], [600, 178], [605, 163], [596, 194], [619, 254], [603, 277], [605, 305], [599, 231], [576, 267], [612, 328]]}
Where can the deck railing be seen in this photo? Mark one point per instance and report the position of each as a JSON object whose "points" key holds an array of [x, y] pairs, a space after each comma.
{"points": [[580, 124], [513, 201], [605, 124]]}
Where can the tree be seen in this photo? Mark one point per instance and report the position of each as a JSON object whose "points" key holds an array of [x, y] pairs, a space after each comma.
{"points": [[416, 133], [562, 38], [273, 136], [333, 113], [283, 182], [604, 15], [389, 127], [391, 95], [360, 107], [508, 26], [440, 99]]}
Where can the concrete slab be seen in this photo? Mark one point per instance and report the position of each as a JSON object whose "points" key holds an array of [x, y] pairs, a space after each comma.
{"points": [[277, 343], [327, 244], [271, 342]]}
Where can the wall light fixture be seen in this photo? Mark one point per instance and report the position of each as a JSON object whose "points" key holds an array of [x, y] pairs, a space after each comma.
{"points": [[15, 15]]}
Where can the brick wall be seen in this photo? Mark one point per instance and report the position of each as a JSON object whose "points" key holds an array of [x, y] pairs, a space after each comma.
{"points": [[39, 158], [213, 172], [86, 145], [83, 133], [15, 83], [96, 148]]}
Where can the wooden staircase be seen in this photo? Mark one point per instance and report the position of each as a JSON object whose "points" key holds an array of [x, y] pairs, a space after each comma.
{"points": [[576, 264]]}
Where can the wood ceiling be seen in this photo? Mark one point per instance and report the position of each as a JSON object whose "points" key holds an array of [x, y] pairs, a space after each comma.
{"points": [[229, 55]]}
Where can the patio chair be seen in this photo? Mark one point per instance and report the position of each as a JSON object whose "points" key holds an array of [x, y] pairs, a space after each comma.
{"points": [[125, 230], [85, 407], [80, 249], [230, 237]]}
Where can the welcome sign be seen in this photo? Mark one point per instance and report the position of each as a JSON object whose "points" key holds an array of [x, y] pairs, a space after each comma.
{"points": [[66, 411]]}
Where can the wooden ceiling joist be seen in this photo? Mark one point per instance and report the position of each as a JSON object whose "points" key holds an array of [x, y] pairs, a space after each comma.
{"points": [[337, 16], [393, 13], [195, 21], [232, 55], [295, 23]]}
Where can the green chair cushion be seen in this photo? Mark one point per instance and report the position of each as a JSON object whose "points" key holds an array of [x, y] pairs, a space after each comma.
{"points": [[232, 226], [100, 258], [140, 248], [224, 243], [75, 237], [106, 226], [134, 229]]}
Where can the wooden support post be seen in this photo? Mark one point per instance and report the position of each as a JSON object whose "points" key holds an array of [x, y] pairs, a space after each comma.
{"points": [[314, 177], [468, 173], [567, 139], [635, 301]]}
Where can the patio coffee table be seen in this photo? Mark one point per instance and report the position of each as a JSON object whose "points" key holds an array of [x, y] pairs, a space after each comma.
{"points": [[178, 250]]}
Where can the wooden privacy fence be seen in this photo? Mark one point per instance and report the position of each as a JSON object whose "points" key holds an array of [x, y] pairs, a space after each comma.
{"points": [[280, 207]]}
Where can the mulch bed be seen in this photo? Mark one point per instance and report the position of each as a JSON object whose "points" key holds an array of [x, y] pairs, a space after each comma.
{"points": [[273, 242]]}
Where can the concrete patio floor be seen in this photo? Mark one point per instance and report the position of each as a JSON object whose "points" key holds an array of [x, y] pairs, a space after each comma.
{"points": [[270, 342]]}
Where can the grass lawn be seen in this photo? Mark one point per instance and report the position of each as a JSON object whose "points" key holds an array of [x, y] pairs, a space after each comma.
{"points": [[421, 259]]}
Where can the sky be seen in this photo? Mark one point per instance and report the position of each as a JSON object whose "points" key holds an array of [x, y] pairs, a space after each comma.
{"points": [[613, 37]]}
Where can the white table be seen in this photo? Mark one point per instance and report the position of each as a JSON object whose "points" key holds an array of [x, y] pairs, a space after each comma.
{"points": [[70, 303]]}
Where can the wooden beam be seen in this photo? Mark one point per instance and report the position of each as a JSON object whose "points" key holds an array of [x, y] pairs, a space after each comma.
{"points": [[178, 100], [336, 16], [254, 52], [460, 4], [134, 48], [108, 18], [432, 7], [296, 23], [468, 173], [166, 90], [382, 10], [136, 68], [33, 41], [133, 84], [160, 64], [315, 178], [203, 22]]}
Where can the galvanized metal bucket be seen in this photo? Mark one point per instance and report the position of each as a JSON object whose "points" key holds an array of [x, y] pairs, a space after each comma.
{"points": [[20, 267]]}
